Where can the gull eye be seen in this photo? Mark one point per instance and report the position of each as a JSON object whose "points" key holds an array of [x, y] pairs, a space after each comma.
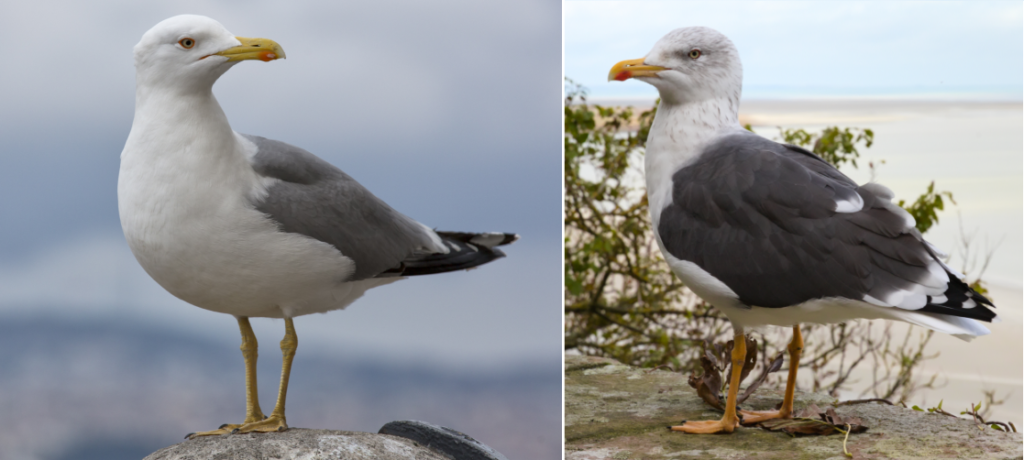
{"points": [[694, 54], [187, 43]]}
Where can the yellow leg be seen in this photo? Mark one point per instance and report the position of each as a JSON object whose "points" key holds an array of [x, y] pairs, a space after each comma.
{"points": [[796, 346], [729, 421], [276, 421], [252, 399]]}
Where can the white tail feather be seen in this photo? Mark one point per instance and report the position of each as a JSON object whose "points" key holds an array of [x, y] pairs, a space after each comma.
{"points": [[962, 328]]}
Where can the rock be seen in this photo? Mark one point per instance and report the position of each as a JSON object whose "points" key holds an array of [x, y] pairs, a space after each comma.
{"points": [[620, 412], [457, 445], [299, 443]]}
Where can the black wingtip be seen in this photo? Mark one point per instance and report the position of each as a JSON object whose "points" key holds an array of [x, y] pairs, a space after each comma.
{"points": [[509, 239], [467, 250], [957, 294]]}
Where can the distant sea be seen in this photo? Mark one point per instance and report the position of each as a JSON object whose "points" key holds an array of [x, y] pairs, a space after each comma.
{"points": [[611, 91]]}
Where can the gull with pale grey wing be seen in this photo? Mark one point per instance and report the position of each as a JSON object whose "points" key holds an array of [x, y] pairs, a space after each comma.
{"points": [[249, 226], [771, 234]]}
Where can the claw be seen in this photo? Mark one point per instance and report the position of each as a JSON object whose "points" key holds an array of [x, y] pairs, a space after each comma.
{"points": [[189, 436], [234, 431], [222, 426]]}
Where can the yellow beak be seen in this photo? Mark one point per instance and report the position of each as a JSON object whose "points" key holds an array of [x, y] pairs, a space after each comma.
{"points": [[263, 49], [633, 68]]}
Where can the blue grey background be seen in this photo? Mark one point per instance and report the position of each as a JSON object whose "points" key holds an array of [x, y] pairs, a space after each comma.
{"points": [[449, 111], [801, 49]]}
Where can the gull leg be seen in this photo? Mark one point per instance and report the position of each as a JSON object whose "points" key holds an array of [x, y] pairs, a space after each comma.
{"points": [[252, 399], [729, 421], [276, 421], [796, 347]]}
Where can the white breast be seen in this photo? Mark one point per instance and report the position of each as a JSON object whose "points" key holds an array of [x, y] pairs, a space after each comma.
{"points": [[187, 216], [678, 135]]}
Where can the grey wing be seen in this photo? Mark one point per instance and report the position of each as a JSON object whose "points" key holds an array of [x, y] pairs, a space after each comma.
{"points": [[316, 199], [779, 226]]}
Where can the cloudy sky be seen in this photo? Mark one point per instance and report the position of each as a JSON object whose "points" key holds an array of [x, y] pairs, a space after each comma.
{"points": [[450, 112], [801, 48]]}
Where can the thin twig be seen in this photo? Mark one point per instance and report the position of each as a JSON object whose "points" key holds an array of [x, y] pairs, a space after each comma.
{"points": [[862, 401], [848, 454]]}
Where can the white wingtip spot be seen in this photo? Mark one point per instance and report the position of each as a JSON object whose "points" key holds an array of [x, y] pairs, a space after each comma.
{"points": [[848, 206], [490, 240], [969, 304]]}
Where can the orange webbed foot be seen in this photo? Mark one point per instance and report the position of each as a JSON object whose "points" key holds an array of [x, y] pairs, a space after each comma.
{"points": [[749, 417], [706, 427]]}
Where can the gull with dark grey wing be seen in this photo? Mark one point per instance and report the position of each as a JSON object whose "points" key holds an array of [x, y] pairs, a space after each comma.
{"points": [[769, 233]]}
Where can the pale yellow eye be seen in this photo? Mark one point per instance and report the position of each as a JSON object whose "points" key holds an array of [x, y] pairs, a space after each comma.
{"points": [[187, 43], [694, 54]]}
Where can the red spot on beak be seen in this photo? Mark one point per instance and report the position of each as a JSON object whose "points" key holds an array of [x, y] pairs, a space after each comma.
{"points": [[624, 75], [267, 56]]}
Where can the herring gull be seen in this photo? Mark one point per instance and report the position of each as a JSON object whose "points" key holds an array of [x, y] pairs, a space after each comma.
{"points": [[249, 226]]}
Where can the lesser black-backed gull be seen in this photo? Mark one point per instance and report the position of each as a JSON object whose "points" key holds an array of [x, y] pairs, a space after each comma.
{"points": [[770, 234]]}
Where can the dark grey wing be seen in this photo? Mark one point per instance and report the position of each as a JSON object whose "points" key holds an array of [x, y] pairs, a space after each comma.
{"points": [[316, 199], [762, 218]]}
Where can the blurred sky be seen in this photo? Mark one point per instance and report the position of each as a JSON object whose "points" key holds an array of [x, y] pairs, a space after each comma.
{"points": [[449, 111], [800, 48]]}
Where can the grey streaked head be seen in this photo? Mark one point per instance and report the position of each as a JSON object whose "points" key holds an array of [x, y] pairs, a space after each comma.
{"points": [[688, 65]]}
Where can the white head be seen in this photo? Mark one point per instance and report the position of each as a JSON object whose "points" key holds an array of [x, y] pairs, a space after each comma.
{"points": [[691, 64], [188, 53]]}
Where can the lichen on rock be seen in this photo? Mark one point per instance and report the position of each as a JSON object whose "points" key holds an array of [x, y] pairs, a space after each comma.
{"points": [[617, 411]]}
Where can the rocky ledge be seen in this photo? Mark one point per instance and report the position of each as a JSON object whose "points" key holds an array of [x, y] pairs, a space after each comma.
{"points": [[614, 411], [402, 440]]}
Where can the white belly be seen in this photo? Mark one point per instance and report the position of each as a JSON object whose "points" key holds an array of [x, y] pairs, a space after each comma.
{"points": [[203, 241]]}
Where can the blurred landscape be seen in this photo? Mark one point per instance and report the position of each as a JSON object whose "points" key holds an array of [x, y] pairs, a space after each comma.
{"points": [[110, 389], [98, 361]]}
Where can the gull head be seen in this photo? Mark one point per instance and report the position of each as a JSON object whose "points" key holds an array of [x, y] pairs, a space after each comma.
{"points": [[691, 64], [190, 52]]}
